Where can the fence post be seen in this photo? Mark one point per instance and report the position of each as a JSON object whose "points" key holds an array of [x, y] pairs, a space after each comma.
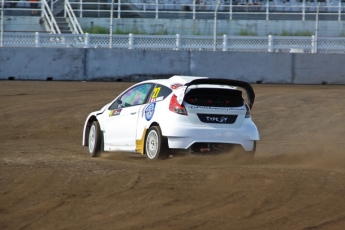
{"points": [[65, 7], [81, 8], [230, 13], [215, 27], [42, 8], [339, 11], [178, 42], [119, 9], [316, 37], [2, 23], [225, 42], [303, 11], [87, 40], [37, 39], [312, 43], [267, 12], [130, 41], [111, 24], [156, 9], [270, 43], [194, 9]]}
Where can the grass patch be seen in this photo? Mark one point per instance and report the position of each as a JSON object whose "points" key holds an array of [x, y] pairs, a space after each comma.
{"points": [[96, 30], [244, 32], [298, 33], [104, 30]]}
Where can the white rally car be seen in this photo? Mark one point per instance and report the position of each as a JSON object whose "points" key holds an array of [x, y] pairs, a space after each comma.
{"points": [[160, 117]]}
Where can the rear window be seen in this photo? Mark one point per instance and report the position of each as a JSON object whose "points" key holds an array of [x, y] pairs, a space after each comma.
{"points": [[214, 97], [159, 93]]}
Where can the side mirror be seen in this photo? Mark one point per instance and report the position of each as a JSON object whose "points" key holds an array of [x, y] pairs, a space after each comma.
{"points": [[119, 103]]}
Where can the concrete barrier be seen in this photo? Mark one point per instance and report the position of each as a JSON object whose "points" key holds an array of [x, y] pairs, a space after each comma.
{"points": [[318, 69], [250, 67], [134, 65], [137, 65], [42, 64]]}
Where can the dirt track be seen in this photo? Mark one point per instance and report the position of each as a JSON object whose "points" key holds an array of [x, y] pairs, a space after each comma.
{"points": [[48, 181]]}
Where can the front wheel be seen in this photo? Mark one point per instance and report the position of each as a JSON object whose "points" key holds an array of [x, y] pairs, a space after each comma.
{"points": [[156, 146], [95, 140]]}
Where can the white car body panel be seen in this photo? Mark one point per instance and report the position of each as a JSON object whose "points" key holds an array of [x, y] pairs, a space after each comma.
{"points": [[123, 131], [122, 136]]}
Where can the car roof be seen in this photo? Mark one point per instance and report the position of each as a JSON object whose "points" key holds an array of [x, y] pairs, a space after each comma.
{"points": [[177, 79]]}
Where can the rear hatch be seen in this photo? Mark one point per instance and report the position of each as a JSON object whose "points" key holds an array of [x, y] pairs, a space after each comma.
{"points": [[218, 107], [209, 103]]}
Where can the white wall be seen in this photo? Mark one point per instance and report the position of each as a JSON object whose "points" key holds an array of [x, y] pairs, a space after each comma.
{"points": [[189, 27], [205, 27]]}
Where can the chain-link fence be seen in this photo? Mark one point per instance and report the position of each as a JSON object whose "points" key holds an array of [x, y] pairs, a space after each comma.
{"points": [[297, 44]]}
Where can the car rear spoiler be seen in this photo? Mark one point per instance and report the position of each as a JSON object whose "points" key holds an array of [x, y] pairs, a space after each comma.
{"points": [[220, 81]]}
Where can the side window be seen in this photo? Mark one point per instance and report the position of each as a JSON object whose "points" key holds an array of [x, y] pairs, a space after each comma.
{"points": [[134, 96], [159, 93]]}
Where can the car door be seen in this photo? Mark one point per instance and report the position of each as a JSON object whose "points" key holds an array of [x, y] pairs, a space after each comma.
{"points": [[122, 119]]}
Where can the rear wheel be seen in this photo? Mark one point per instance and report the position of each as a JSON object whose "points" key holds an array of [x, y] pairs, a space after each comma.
{"points": [[243, 155], [95, 140], [156, 146]]}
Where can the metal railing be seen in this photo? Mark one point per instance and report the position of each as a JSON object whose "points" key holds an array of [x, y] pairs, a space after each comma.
{"points": [[232, 9], [178, 42], [48, 16], [201, 9], [72, 19], [46, 13]]}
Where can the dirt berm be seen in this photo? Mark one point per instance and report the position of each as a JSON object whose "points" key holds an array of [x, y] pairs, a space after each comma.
{"points": [[48, 180]]}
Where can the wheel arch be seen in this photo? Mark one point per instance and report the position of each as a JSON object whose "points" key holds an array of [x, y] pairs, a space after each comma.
{"points": [[159, 147], [154, 124], [87, 129], [140, 143]]}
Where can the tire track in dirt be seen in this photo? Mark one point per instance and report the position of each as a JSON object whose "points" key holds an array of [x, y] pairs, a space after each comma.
{"points": [[48, 180]]}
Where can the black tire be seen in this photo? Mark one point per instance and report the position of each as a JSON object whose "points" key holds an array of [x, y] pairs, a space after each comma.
{"points": [[250, 154], [156, 146], [95, 140], [244, 156]]}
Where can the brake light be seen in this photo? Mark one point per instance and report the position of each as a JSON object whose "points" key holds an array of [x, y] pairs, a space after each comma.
{"points": [[175, 107], [247, 111]]}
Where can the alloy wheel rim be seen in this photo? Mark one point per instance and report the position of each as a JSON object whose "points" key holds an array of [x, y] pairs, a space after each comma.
{"points": [[92, 138], [152, 144]]}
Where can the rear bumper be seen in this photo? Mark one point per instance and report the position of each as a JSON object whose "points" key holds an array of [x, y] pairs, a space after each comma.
{"points": [[182, 137]]}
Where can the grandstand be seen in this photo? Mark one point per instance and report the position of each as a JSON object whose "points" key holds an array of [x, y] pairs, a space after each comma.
{"points": [[176, 19], [172, 8]]}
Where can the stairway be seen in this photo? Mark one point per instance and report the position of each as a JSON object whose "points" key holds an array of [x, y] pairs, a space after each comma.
{"points": [[63, 25]]}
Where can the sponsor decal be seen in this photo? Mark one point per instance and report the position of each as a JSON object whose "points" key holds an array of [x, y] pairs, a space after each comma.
{"points": [[156, 99], [175, 85], [214, 108], [149, 111], [160, 98], [115, 112], [217, 119]]}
